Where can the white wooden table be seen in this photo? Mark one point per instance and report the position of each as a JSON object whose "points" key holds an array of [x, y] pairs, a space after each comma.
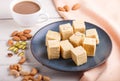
{"points": [[7, 26]]}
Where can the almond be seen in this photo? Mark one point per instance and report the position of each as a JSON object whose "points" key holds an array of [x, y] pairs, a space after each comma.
{"points": [[66, 7], [23, 38], [14, 33], [76, 6], [20, 33], [22, 60], [29, 36], [61, 9], [16, 38], [27, 31], [10, 42]]}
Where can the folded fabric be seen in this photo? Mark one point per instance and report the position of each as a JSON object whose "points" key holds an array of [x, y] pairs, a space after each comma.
{"points": [[110, 70]]}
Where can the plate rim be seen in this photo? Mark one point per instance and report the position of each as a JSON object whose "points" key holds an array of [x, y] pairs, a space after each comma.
{"points": [[76, 66]]}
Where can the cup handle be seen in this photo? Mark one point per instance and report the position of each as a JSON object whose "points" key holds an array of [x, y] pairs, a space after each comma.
{"points": [[43, 17]]}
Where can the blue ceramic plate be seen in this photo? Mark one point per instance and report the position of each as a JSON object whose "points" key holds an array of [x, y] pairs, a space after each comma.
{"points": [[39, 50]]}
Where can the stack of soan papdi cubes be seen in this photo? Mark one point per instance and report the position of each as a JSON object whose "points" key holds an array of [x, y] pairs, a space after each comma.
{"points": [[72, 42]]}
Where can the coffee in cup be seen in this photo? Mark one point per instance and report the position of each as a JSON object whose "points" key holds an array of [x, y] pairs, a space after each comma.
{"points": [[26, 7], [27, 12]]}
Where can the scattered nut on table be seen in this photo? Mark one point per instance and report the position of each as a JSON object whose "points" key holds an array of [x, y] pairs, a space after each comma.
{"points": [[14, 33], [34, 71], [24, 73], [28, 78], [22, 60], [66, 7], [17, 45], [27, 31], [21, 54], [23, 38], [22, 35], [29, 36], [76, 6], [10, 42], [16, 67], [9, 54], [15, 73], [16, 38], [61, 9]]}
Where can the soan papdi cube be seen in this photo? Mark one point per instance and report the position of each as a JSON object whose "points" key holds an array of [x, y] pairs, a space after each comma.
{"points": [[53, 49], [77, 39], [89, 45], [79, 26], [52, 35], [92, 33], [66, 31], [79, 55], [65, 46]]}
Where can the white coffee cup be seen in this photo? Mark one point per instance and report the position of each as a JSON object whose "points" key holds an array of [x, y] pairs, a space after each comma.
{"points": [[27, 19]]}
